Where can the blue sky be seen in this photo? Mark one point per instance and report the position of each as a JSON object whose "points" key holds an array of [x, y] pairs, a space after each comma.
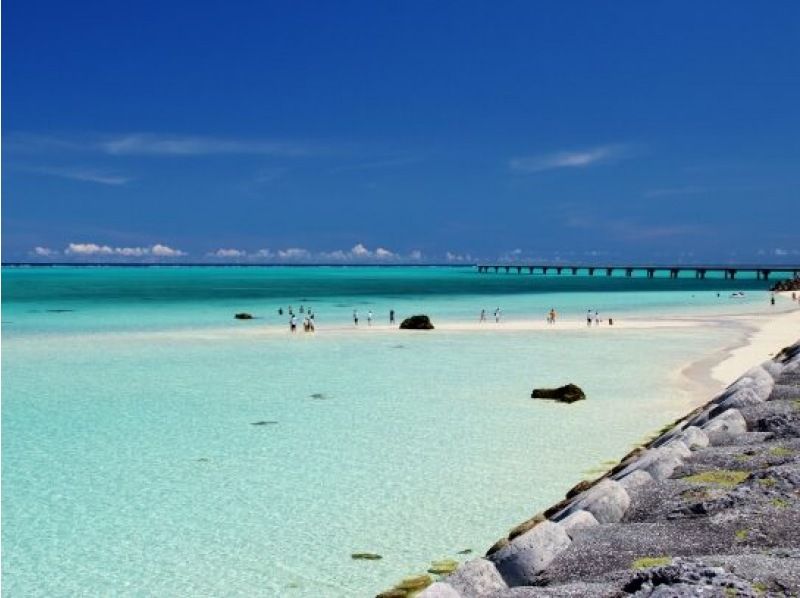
{"points": [[401, 131]]}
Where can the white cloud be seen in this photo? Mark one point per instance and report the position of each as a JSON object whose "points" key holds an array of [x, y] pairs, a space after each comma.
{"points": [[262, 253], [88, 249], [92, 249], [192, 145], [87, 175], [785, 252], [294, 253], [336, 256], [415, 255], [228, 253], [458, 257], [383, 254], [44, 252], [165, 251], [570, 158], [131, 251], [360, 251]]}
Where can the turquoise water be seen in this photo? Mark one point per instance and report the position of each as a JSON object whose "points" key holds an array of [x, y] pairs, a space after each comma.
{"points": [[131, 466]]}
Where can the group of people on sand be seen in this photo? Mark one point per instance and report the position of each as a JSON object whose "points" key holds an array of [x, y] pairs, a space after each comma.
{"points": [[498, 314], [308, 319], [371, 317]]}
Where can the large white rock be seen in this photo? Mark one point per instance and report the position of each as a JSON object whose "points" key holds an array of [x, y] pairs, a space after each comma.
{"points": [[693, 437], [658, 462], [773, 368], [577, 520], [606, 500], [439, 590], [741, 397], [478, 577], [756, 378], [528, 555], [726, 427], [677, 447], [635, 479]]}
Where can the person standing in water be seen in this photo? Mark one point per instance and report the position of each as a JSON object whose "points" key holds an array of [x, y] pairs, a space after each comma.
{"points": [[391, 316], [589, 317], [369, 318], [596, 319], [483, 316], [355, 317], [552, 317], [497, 315], [293, 324]]}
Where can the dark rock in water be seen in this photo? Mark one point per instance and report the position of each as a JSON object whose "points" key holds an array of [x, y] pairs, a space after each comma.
{"points": [[465, 551], [203, 460], [568, 393], [419, 322], [365, 556], [243, 316], [398, 346], [318, 395], [263, 423]]}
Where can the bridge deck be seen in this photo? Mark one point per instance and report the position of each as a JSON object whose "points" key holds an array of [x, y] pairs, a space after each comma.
{"points": [[700, 271]]}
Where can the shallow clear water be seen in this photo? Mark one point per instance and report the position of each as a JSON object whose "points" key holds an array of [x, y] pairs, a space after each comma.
{"points": [[131, 465]]}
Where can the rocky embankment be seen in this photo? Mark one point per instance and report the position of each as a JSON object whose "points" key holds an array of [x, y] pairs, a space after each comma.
{"points": [[709, 508]]}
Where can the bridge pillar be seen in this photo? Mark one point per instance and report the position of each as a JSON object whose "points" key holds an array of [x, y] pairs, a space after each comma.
{"points": [[673, 273], [558, 271], [609, 271], [519, 269], [496, 269], [530, 269], [730, 273], [574, 271], [591, 271], [766, 273], [628, 272], [507, 269], [651, 272]]}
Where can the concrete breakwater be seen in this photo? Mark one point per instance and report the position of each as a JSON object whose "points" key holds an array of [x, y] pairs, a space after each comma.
{"points": [[711, 507]]}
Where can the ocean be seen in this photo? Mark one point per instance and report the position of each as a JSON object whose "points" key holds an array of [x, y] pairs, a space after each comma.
{"points": [[152, 445]]}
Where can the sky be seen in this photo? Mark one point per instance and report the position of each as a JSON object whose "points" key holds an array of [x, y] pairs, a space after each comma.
{"points": [[401, 131]]}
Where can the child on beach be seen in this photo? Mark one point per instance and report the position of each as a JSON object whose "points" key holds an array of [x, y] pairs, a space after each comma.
{"points": [[589, 317]]}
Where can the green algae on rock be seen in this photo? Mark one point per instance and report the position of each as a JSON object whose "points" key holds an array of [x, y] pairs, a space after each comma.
{"points": [[727, 478], [646, 562], [443, 567]]}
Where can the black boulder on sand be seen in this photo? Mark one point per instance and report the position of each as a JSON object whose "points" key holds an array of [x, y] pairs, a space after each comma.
{"points": [[417, 323]]}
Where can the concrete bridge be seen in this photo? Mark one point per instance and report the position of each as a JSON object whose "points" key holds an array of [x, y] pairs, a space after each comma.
{"points": [[729, 271]]}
